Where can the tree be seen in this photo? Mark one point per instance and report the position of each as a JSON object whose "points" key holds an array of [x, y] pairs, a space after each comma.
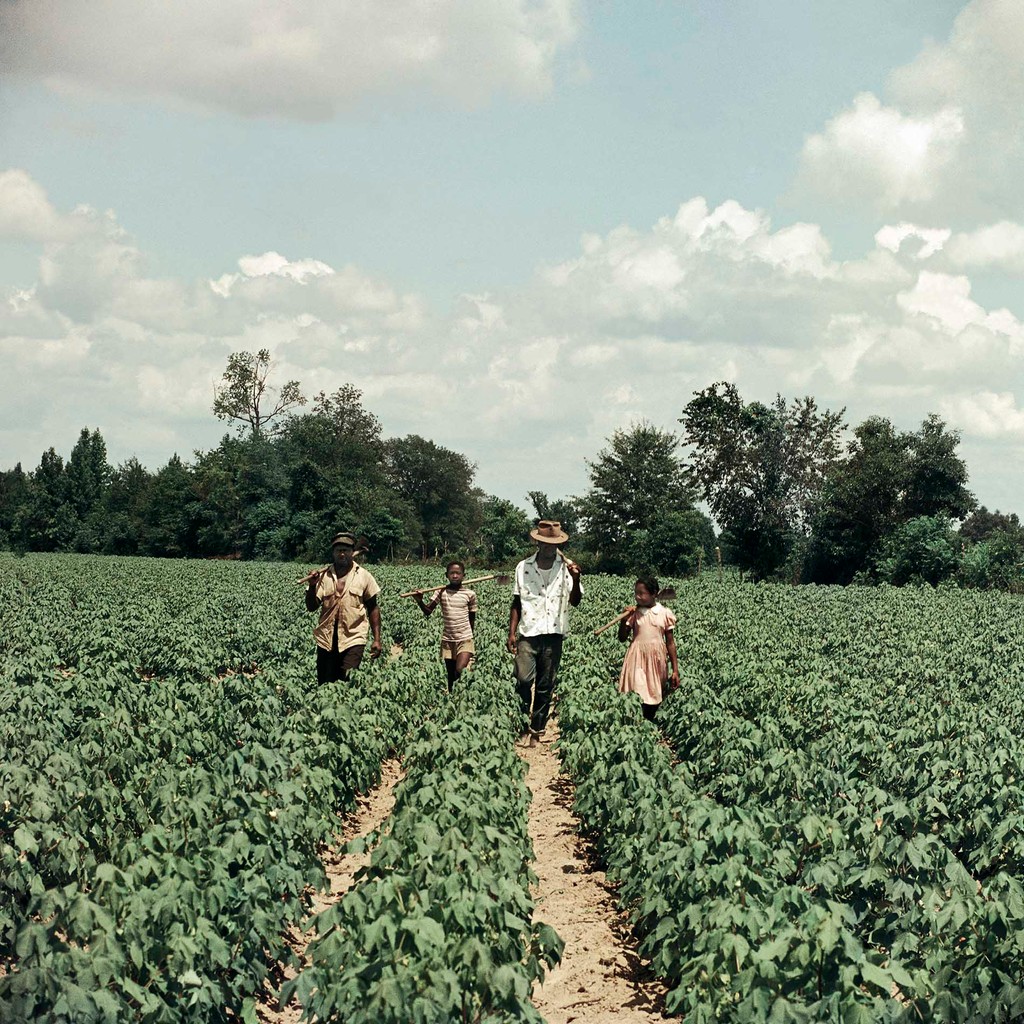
{"points": [[437, 483], [921, 550], [936, 476], [125, 508], [887, 479], [50, 523], [635, 481], [15, 489], [87, 476], [244, 394], [861, 504], [673, 545], [504, 530], [981, 524], [171, 510], [761, 469], [334, 458]]}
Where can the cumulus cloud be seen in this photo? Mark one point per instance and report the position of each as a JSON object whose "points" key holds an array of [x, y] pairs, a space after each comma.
{"points": [[27, 215], [999, 246], [528, 382], [300, 60], [948, 138], [878, 155], [987, 414], [924, 242]]}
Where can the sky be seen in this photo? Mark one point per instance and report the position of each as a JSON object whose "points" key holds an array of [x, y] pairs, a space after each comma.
{"points": [[515, 225]]}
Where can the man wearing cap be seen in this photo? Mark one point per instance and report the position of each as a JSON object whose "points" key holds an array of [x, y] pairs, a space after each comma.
{"points": [[346, 595], [546, 585]]}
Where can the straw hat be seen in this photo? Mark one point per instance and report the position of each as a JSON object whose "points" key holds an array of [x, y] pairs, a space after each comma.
{"points": [[549, 531]]}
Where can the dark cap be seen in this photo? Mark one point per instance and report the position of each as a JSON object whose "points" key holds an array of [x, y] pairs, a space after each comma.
{"points": [[346, 540]]}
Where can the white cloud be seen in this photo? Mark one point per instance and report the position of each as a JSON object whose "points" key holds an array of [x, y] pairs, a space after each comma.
{"points": [[303, 59], [927, 241], [27, 215], [949, 139], [981, 65], [527, 382], [947, 299], [987, 414], [999, 246], [877, 154]]}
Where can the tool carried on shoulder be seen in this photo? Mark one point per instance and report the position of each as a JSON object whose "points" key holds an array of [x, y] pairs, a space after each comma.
{"points": [[500, 577], [315, 573], [668, 594]]}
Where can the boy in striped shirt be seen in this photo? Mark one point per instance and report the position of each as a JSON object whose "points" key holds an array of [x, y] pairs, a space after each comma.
{"points": [[458, 609]]}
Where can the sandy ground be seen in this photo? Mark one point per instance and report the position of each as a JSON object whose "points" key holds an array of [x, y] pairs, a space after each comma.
{"points": [[371, 812], [600, 980]]}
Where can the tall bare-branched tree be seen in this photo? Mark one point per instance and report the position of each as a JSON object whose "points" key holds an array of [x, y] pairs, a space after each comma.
{"points": [[243, 394]]}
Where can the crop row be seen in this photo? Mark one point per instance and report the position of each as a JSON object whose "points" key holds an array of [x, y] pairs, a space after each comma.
{"points": [[439, 927], [159, 835], [840, 839]]}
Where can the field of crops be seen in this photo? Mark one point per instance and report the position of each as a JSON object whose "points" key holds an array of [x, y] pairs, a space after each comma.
{"points": [[825, 825]]}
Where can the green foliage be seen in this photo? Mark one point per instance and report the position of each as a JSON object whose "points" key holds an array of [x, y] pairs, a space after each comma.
{"points": [[635, 484], [923, 550], [437, 483], [761, 469], [170, 774], [888, 479], [996, 562], [676, 544], [504, 530], [834, 833], [439, 926], [245, 396], [936, 477]]}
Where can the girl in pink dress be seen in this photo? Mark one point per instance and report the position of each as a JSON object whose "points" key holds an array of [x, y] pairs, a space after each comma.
{"points": [[645, 668]]}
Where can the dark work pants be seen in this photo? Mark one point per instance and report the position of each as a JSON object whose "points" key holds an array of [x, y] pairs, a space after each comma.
{"points": [[537, 659]]}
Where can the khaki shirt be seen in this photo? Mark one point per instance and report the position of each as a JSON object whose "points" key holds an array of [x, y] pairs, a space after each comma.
{"points": [[341, 602]]}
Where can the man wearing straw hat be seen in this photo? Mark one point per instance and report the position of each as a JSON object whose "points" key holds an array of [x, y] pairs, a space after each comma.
{"points": [[346, 595], [546, 585]]}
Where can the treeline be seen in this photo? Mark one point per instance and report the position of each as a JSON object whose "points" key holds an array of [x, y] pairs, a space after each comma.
{"points": [[798, 501], [795, 496], [264, 495]]}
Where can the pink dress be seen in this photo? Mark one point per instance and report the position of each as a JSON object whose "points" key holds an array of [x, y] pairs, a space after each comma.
{"points": [[645, 667]]}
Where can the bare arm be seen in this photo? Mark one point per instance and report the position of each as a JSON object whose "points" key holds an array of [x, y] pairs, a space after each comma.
{"points": [[514, 613], [426, 608], [575, 595], [373, 608], [673, 659], [312, 601]]}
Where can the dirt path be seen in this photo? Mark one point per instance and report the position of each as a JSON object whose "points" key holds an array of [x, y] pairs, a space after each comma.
{"points": [[371, 812], [600, 978]]}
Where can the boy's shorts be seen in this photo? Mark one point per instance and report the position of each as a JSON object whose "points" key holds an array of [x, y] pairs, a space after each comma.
{"points": [[451, 649]]}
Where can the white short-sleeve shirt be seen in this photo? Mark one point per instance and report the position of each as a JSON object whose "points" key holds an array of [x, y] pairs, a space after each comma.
{"points": [[543, 596]]}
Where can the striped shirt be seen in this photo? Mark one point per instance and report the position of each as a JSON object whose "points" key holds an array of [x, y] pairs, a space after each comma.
{"points": [[455, 608]]}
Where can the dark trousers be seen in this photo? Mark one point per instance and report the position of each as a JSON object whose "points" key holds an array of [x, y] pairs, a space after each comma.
{"points": [[332, 666], [537, 659]]}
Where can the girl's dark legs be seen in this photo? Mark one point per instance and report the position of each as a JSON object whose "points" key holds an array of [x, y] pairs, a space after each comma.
{"points": [[650, 710]]}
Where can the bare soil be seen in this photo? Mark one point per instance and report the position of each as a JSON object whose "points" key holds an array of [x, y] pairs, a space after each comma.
{"points": [[372, 811], [600, 980]]}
